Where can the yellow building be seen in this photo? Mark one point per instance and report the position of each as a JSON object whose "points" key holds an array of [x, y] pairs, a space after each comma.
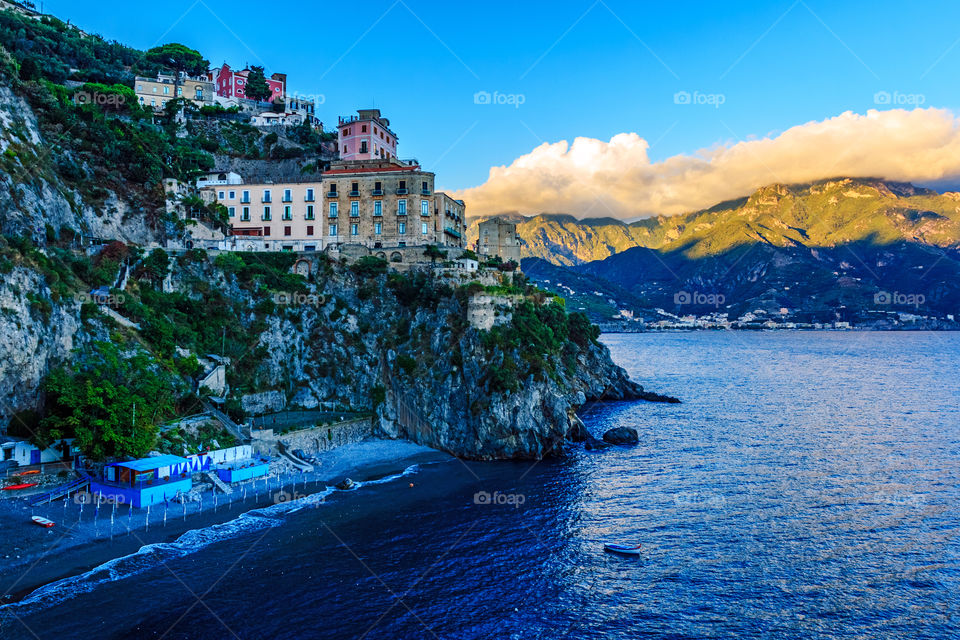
{"points": [[156, 92]]}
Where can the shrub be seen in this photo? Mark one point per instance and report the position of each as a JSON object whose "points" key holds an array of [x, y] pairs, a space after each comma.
{"points": [[369, 267]]}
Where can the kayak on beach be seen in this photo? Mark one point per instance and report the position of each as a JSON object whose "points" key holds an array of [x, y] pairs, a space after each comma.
{"points": [[25, 485], [43, 522], [623, 549]]}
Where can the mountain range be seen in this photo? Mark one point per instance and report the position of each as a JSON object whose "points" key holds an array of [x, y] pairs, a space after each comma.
{"points": [[843, 248]]}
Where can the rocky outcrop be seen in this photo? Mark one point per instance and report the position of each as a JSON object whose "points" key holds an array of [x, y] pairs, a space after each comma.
{"points": [[621, 435]]}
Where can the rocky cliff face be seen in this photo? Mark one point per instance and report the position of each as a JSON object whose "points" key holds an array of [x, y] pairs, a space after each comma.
{"points": [[400, 346]]}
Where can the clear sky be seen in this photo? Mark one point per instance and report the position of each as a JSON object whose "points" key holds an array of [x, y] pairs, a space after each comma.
{"points": [[580, 68]]}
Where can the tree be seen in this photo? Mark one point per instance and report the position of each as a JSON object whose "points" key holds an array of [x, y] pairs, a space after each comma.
{"points": [[433, 252], [257, 87], [111, 403], [178, 57]]}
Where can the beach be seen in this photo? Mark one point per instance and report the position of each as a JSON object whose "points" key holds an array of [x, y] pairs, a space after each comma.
{"points": [[87, 535]]}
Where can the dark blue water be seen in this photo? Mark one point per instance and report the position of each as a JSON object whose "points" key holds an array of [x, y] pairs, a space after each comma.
{"points": [[807, 487]]}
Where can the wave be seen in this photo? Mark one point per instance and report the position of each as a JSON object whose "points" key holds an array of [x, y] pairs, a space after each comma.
{"points": [[153, 555]]}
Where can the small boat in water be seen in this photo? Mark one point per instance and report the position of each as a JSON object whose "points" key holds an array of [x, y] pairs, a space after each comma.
{"points": [[29, 473], [346, 485], [623, 549], [24, 485], [43, 522]]}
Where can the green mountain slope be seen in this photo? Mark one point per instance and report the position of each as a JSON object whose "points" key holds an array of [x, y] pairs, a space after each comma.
{"points": [[826, 213], [859, 250]]}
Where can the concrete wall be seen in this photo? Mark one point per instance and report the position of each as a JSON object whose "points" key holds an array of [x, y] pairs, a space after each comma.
{"points": [[316, 439]]}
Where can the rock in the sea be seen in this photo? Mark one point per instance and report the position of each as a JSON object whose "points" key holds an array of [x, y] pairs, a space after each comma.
{"points": [[622, 435], [592, 444]]}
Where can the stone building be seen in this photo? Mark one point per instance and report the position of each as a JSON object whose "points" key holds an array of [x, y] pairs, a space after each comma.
{"points": [[498, 237], [156, 92], [375, 204]]}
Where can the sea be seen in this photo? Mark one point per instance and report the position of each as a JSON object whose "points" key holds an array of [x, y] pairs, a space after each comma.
{"points": [[806, 487]]}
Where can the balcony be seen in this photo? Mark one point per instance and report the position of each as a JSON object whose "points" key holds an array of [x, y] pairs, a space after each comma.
{"points": [[333, 194], [425, 192], [402, 192], [245, 200], [266, 199], [355, 193], [309, 198], [377, 192], [451, 232]]}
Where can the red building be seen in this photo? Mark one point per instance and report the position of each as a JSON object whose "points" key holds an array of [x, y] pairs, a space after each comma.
{"points": [[233, 84]]}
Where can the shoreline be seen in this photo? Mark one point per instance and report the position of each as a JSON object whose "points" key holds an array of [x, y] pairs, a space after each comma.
{"points": [[36, 557]]}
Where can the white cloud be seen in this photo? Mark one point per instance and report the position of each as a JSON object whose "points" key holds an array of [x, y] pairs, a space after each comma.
{"points": [[592, 178]]}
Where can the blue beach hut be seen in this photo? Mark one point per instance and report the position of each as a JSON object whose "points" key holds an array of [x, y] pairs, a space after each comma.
{"points": [[144, 482]]}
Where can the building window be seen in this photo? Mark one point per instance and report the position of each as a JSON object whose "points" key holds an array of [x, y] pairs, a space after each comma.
{"points": [[199, 93], [288, 197], [287, 212], [231, 211], [266, 231], [245, 214], [377, 228], [423, 228], [401, 207], [309, 197], [266, 196], [333, 190], [401, 228], [221, 195], [354, 229], [333, 211], [363, 147], [266, 213], [246, 197], [232, 195], [363, 128], [378, 207], [354, 208], [309, 229], [424, 208], [333, 229], [309, 215]]}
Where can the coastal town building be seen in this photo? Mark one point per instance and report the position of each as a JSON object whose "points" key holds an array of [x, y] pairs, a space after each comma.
{"points": [[370, 206], [366, 136], [156, 92], [377, 205], [498, 237], [233, 84]]}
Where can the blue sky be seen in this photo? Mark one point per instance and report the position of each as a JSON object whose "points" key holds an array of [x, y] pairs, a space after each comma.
{"points": [[582, 68]]}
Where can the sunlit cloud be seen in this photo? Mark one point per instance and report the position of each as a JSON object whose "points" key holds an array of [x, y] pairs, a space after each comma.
{"points": [[592, 178]]}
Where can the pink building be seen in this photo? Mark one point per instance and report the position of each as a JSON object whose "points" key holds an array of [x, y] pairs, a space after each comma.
{"points": [[233, 84], [366, 136]]}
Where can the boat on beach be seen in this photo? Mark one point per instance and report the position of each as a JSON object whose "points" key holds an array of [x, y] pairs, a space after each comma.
{"points": [[23, 485], [43, 522], [622, 549]]}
